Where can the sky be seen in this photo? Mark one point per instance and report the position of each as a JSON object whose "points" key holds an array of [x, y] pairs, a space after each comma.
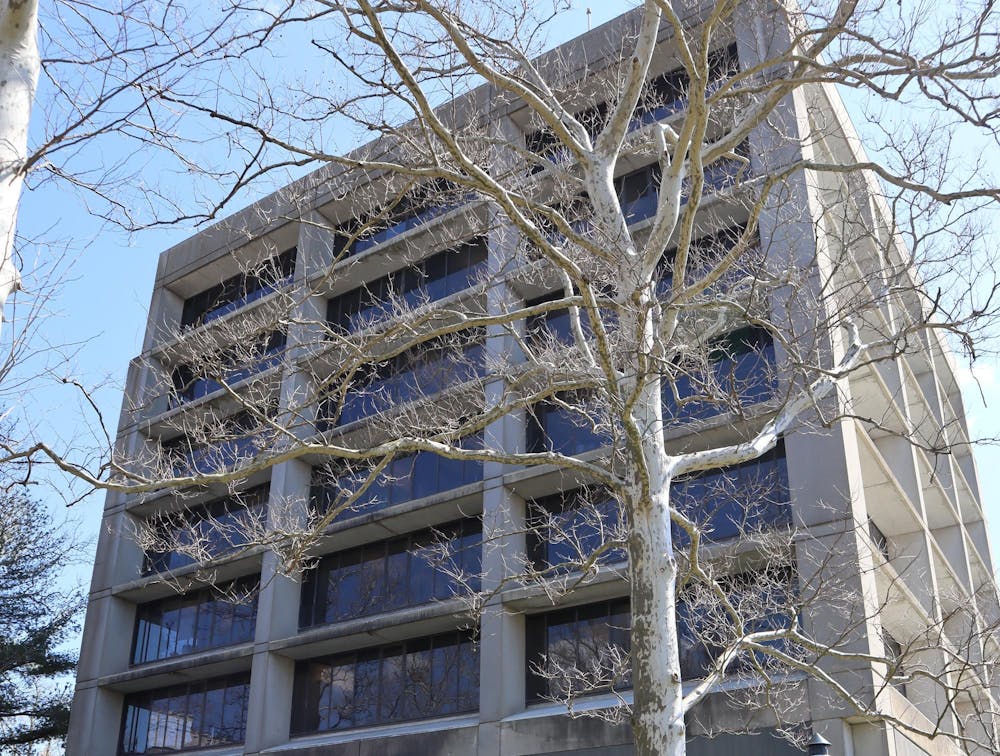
{"points": [[95, 323]]}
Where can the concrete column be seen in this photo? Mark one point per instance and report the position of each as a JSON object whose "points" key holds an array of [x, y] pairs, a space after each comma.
{"points": [[502, 650], [857, 740], [269, 709], [95, 721]]}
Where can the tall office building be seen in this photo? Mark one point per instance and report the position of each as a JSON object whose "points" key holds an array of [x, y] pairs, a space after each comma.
{"points": [[369, 650]]}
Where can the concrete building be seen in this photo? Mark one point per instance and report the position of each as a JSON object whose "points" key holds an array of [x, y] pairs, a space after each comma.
{"points": [[307, 664]]}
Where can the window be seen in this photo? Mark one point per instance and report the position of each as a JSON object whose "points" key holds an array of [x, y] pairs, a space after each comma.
{"points": [[639, 192], [219, 528], [545, 144], [663, 96], [238, 364], [237, 438], [417, 373], [418, 679], [567, 528], [564, 426], [584, 649], [393, 574], [723, 173], [740, 375], [436, 277], [577, 651], [894, 656], [195, 622], [201, 714], [408, 477], [703, 253], [736, 500], [239, 290], [878, 539], [421, 205], [764, 600], [554, 324], [667, 93]]}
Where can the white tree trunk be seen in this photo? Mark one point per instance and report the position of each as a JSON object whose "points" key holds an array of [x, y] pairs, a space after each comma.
{"points": [[658, 709], [658, 695], [19, 67]]}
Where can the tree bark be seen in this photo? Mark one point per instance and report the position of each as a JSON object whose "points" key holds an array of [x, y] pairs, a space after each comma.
{"points": [[19, 67], [658, 709]]}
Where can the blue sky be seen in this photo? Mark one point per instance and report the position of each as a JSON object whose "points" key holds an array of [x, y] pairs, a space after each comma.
{"points": [[101, 311]]}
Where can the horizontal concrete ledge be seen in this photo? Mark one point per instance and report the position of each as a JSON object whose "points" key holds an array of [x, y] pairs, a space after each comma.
{"points": [[388, 627], [179, 669], [463, 728]]}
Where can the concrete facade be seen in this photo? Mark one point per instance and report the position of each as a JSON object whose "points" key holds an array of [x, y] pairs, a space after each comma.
{"points": [[927, 508]]}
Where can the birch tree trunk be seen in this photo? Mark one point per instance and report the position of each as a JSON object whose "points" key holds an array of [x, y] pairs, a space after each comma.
{"points": [[19, 68]]}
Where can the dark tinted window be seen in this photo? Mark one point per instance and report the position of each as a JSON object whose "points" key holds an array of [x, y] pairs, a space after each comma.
{"points": [[568, 528], [393, 574], [420, 205], [201, 714], [195, 622], [418, 373], [740, 374], [763, 601], [438, 276], [667, 93], [567, 648], [233, 440], [239, 290], [552, 426], [732, 501], [407, 477], [664, 95], [418, 679], [236, 365], [219, 528], [638, 192], [578, 651]]}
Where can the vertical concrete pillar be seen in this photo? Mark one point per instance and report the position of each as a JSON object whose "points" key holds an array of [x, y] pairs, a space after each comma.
{"points": [[96, 719], [272, 675]]}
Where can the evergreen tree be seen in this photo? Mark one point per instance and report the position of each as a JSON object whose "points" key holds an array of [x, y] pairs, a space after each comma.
{"points": [[36, 615]]}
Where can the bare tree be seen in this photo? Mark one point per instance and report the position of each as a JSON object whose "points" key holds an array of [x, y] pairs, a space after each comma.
{"points": [[668, 245]]}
